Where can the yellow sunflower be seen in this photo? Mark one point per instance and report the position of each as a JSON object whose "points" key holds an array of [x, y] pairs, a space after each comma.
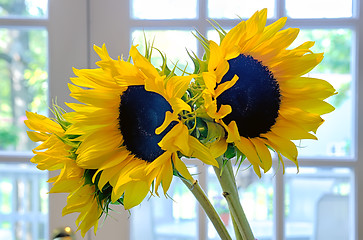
{"points": [[131, 131], [82, 200], [56, 152], [256, 90]]}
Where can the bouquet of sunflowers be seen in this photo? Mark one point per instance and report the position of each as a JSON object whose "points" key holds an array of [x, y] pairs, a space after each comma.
{"points": [[137, 125]]}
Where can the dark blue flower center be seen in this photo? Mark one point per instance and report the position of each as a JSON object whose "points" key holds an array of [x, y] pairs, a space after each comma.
{"points": [[255, 97], [141, 112]]}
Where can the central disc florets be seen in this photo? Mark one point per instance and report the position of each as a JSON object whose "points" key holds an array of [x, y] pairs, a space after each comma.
{"points": [[141, 112], [255, 97]]}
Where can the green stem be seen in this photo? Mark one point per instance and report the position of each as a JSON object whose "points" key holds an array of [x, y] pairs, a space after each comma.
{"points": [[208, 208], [228, 184], [236, 230]]}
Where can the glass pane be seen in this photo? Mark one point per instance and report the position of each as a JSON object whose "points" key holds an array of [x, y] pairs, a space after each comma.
{"points": [[172, 218], [318, 204], [23, 74], [213, 35], [233, 9], [336, 135], [24, 8], [23, 202], [319, 8], [257, 201], [171, 42], [164, 9]]}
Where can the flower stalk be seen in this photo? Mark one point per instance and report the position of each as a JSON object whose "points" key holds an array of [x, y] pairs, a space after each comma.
{"points": [[236, 230], [228, 184], [212, 214]]}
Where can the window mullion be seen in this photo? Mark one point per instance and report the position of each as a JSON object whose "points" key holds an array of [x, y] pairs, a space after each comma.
{"points": [[280, 10], [279, 202], [23, 22], [201, 25], [359, 88], [202, 217]]}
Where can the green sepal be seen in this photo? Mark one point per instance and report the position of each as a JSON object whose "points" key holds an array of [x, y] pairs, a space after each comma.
{"points": [[204, 41], [224, 162], [221, 32], [231, 151], [58, 114], [88, 175], [215, 131], [103, 196], [240, 159], [148, 48], [72, 154], [164, 67], [66, 141], [202, 129], [195, 61]]}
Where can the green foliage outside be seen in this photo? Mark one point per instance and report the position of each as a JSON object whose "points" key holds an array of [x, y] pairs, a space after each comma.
{"points": [[23, 8], [22, 52], [336, 45]]}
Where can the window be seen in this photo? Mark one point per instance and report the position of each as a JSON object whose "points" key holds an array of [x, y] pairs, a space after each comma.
{"points": [[24, 86], [290, 206]]}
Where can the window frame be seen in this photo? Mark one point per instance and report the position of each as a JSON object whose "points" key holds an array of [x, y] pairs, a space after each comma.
{"points": [[66, 36], [13, 157]]}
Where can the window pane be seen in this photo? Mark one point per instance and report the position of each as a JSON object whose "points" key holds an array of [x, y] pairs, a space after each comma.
{"points": [[319, 8], [23, 74], [172, 42], [233, 9], [172, 218], [317, 204], [256, 196], [24, 8], [164, 9], [336, 135], [24, 202]]}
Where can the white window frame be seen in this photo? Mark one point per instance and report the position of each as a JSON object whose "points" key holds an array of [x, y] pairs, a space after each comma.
{"points": [[67, 47], [22, 157]]}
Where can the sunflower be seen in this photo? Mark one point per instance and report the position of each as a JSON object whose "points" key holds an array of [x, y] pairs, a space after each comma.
{"points": [[56, 152], [83, 201], [132, 135], [255, 88]]}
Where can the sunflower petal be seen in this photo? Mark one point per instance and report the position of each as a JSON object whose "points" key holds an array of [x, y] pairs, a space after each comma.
{"points": [[181, 168], [248, 149], [41, 123], [37, 136], [169, 117], [135, 192], [288, 130], [177, 86], [201, 152], [142, 63], [282, 145], [263, 153], [167, 176]]}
